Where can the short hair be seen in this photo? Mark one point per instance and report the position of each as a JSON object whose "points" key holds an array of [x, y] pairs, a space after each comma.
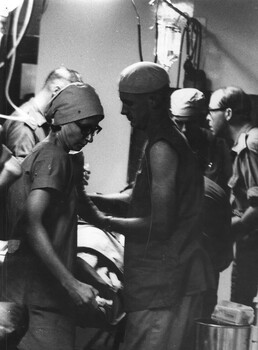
{"points": [[235, 98], [71, 75]]}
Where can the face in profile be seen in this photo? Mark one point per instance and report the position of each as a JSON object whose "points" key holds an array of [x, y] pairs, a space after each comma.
{"points": [[78, 134], [189, 126], [217, 115], [135, 108]]}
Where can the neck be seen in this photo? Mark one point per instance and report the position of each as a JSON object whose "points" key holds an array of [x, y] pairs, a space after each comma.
{"points": [[56, 138], [42, 99], [236, 130], [157, 117]]}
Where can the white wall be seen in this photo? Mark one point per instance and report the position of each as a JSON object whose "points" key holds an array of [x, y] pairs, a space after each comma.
{"points": [[230, 47]]}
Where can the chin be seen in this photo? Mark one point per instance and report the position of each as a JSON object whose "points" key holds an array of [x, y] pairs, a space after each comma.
{"points": [[78, 147]]}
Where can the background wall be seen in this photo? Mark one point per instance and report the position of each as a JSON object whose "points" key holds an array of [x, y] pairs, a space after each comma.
{"points": [[230, 47]]}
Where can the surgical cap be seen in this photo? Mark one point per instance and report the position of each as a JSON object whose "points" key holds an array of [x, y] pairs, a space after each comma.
{"points": [[143, 77], [75, 102], [188, 102]]}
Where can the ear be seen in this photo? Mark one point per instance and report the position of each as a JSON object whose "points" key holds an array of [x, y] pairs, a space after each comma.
{"points": [[55, 89], [228, 114], [153, 101]]}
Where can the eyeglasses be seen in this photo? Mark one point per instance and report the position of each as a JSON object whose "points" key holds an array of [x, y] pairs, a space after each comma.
{"points": [[216, 109], [87, 130]]}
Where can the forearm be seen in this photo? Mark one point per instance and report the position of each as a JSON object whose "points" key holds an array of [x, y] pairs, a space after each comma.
{"points": [[130, 226], [89, 211], [10, 172], [115, 204], [43, 249]]}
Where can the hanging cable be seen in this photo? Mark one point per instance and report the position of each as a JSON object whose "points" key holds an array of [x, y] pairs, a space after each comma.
{"points": [[180, 56], [192, 34], [139, 31], [11, 68], [14, 37], [156, 34]]}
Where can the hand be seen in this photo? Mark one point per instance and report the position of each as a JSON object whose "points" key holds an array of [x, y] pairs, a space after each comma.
{"points": [[86, 174], [238, 229], [83, 294]]}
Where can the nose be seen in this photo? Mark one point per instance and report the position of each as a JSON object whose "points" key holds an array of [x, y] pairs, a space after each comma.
{"points": [[208, 117], [123, 110]]}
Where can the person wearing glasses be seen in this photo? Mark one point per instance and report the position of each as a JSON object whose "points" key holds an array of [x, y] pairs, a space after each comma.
{"points": [[39, 266], [230, 118], [189, 110], [21, 137]]}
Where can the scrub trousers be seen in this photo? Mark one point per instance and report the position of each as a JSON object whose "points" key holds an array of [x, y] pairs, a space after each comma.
{"points": [[48, 330], [164, 329], [244, 279]]}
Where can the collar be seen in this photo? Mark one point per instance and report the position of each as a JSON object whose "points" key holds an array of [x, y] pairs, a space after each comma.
{"points": [[241, 140], [39, 115]]}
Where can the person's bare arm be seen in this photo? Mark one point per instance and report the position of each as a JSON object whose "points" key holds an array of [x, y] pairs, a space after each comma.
{"points": [[164, 164], [36, 208], [115, 203], [10, 172]]}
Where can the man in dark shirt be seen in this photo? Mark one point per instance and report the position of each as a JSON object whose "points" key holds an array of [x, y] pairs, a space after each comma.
{"points": [[164, 264]]}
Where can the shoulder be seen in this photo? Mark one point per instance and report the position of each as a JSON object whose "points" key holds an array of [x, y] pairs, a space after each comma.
{"points": [[49, 150], [48, 166], [47, 153], [163, 158], [252, 140], [162, 148], [13, 126]]}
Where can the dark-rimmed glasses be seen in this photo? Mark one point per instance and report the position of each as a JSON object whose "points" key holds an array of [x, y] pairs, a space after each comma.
{"points": [[216, 110], [88, 130]]}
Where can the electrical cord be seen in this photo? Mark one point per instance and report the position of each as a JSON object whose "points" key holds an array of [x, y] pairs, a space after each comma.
{"points": [[192, 33], [14, 38], [139, 31], [180, 57], [13, 55]]}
